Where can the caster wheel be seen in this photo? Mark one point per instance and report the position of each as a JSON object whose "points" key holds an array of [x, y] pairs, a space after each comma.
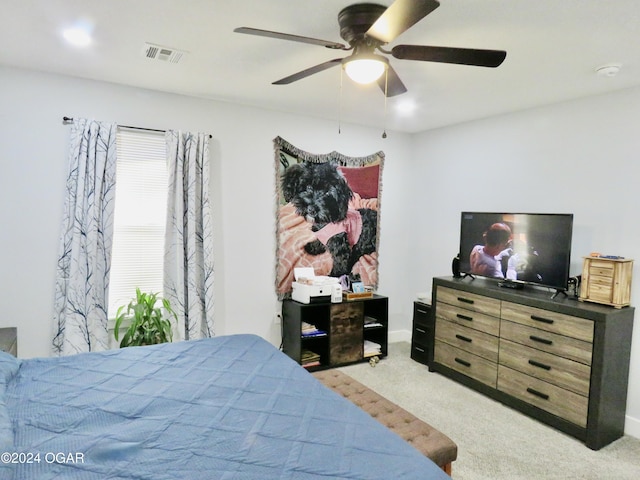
{"points": [[373, 361]]}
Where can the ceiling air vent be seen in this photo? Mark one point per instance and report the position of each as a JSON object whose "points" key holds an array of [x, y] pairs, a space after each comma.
{"points": [[163, 54]]}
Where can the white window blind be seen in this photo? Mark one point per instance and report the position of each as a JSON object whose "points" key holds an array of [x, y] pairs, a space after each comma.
{"points": [[140, 216]]}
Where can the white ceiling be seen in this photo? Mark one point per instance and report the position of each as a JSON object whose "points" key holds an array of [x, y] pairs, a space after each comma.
{"points": [[553, 48]]}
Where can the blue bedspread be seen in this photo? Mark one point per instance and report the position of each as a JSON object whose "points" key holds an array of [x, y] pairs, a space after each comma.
{"points": [[231, 407]]}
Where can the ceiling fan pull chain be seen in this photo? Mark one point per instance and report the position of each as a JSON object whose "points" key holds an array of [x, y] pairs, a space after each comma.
{"points": [[386, 87], [340, 105]]}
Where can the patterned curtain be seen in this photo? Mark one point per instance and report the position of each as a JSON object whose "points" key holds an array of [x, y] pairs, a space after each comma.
{"points": [[82, 279], [188, 268]]}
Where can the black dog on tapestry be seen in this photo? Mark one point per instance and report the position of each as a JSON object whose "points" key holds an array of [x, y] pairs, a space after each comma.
{"points": [[320, 194]]}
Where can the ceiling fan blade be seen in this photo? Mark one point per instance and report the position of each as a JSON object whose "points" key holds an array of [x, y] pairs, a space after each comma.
{"points": [[294, 38], [308, 72], [391, 83], [400, 16], [461, 56]]}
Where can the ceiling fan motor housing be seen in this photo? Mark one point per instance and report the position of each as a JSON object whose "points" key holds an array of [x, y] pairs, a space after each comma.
{"points": [[355, 20]]}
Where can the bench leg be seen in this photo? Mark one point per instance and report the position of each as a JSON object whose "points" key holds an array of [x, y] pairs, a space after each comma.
{"points": [[447, 468]]}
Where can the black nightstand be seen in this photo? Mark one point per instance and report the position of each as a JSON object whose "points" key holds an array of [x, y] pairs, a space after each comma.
{"points": [[422, 336], [339, 334]]}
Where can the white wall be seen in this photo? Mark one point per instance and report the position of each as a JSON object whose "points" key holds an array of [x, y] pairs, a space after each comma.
{"points": [[33, 156], [579, 157]]}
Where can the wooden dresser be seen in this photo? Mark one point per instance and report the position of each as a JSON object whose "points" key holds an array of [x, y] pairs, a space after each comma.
{"points": [[561, 361]]}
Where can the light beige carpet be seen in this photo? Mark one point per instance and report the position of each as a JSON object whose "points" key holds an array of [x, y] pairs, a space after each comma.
{"points": [[494, 442]]}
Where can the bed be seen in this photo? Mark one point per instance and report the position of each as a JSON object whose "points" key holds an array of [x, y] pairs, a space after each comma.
{"points": [[230, 407]]}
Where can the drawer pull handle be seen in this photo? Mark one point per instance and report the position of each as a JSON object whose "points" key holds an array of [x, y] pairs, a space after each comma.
{"points": [[421, 350], [539, 365], [541, 319], [465, 300], [419, 330], [421, 311], [464, 317], [541, 340], [462, 362], [543, 396], [463, 338]]}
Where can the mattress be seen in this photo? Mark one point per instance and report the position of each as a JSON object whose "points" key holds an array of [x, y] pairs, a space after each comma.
{"points": [[230, 407]]}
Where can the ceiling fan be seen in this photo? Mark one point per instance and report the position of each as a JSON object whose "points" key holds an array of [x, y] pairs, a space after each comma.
{"points": [[367, 27]]}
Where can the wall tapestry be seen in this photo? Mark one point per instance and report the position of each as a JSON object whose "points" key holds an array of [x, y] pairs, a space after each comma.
{"points": [[328, 214]]}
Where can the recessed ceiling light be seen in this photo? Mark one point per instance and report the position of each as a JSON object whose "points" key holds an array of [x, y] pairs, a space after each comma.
{"points": [[77, 36], [406, 107]]}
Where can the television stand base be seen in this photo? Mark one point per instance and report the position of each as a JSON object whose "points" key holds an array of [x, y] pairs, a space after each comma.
{"points": [[558, 291]]}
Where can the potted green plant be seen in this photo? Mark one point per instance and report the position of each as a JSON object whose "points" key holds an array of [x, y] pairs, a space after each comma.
{"points": [[149, 325]]}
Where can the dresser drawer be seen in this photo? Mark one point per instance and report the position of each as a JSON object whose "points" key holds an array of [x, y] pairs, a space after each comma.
{"points": [[472, 341], [602, 268], [557, 370], [422, 343], [468, 318], [553, 399], [421, 353], [466, 363], [600, 289], [469, 301], [554, 322], [421, 334], [566, 347], [422, 313]]}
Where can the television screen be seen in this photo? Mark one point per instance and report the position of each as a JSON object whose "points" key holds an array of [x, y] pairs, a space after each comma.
{"points": [[526, 247]]}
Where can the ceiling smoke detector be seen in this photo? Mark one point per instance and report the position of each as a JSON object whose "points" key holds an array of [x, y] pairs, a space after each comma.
{"points": [[608, 70], [163, 54]]}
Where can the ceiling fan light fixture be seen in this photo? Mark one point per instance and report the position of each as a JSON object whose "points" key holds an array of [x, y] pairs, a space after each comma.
{"points": [[365, 69]]}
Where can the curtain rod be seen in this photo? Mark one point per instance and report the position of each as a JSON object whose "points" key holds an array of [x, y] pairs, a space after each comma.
{"points": [[70, 119]]}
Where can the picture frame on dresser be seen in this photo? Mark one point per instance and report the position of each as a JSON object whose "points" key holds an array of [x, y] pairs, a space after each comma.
{"points": [[558, 360]]}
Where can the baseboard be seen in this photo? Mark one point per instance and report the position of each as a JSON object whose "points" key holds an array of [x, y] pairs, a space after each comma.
{"points": [[399, 336], [632, 427]]}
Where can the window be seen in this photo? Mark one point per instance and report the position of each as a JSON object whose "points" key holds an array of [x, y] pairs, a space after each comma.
{"points": [[140, 216]]}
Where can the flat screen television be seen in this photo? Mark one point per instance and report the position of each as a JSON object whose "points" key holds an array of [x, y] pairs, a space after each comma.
{"points": [[519, 247]]}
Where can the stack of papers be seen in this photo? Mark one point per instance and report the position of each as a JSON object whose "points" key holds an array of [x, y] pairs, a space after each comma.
{"points": [[370, 322], [372, 348]]}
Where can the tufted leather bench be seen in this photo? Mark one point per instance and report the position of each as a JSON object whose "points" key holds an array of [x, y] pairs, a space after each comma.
{"points": [[432, 443]]}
